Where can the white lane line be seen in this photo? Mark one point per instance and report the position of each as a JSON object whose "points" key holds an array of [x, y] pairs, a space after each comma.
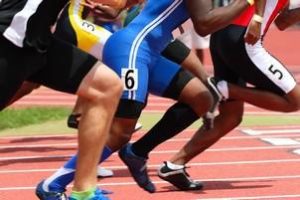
{"points": [[262, 132], [254, 197], [53, 145], [258, 178], [241, 128], [281, 141], [194, 164], [183, 139], [38, 136], [258, 113], [297, 151], [32, 157], [9, 158]]}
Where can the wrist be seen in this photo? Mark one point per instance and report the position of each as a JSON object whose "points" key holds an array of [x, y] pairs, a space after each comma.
{"points": [[258, 18], [250, 2]]}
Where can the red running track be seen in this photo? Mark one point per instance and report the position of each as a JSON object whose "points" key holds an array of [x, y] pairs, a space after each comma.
{"points": [[242, 165]]}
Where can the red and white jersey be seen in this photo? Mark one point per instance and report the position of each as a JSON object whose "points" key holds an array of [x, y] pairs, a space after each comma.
{"points": [[271, 11]]}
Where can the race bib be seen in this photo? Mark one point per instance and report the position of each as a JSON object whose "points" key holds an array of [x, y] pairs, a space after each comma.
{"points": [[88, 26], [130, 79]]}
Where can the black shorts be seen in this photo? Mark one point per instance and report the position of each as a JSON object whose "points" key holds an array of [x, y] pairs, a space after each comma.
{"points": [[62, 67], [239, 63], [131, 109], [176, 51]]}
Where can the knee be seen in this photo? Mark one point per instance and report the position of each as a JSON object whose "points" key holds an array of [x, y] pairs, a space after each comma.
{"points": [[232, 120], [116, 141], [120, 133], [102, 85], [295, 104], [293, 98], [203, 103], [113, 86], [235, 120], [292, 108]]}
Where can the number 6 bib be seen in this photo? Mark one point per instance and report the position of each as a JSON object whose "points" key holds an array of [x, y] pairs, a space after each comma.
{"points": [[130, 79]]}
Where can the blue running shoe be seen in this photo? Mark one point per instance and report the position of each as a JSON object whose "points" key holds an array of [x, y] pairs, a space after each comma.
{"points": [[98, 195], [137, 167], [51, 195]]}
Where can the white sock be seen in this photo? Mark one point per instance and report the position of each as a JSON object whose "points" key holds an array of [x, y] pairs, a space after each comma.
{"points": [[223, 87], [174, 166]]}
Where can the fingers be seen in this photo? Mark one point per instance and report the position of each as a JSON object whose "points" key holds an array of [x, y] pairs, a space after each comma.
{"points": [[88, 4], [253, 33], [251, 38]]}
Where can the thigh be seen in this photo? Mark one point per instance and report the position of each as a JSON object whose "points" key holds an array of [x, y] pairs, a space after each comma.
{"points": [[221, 69], [135, 85], [167, 79], [65, 68], [265, 72], [16, 64], [253, 63], [135, 78], [176, 51], [133, 71]]}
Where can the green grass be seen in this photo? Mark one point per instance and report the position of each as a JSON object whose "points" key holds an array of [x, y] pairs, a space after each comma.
{"points": [[16, 118], [148, 120], [41, 121]]}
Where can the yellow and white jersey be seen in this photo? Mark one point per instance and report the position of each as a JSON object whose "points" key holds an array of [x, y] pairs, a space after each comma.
{"points": [[90, 37]]}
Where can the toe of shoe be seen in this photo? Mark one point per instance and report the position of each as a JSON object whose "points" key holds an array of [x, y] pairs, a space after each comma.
{"points": [[150, 187]]}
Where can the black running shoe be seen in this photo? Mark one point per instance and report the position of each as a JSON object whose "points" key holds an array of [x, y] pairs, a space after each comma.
{"points": [[179, 178], [137, 167], [73, 121]]}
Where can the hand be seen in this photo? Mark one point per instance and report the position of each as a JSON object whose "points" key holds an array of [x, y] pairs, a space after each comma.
{"points": [[253, 32], [92, 4], [102, 13], [88, 4]]}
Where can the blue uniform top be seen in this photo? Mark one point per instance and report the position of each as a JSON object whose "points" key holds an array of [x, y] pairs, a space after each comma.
{"points": [[155, 23], [152, 29]]}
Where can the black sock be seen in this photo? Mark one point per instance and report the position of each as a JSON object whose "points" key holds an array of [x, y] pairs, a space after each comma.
{"points": [[176, 119]]}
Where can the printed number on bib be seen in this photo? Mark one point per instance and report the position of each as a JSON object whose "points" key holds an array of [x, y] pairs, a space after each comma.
{"points": [[87, 26], [130, 79], [276, 72]]}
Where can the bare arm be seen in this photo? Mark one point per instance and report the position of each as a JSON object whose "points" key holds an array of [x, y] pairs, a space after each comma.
{"points": [[254, 28], [207, 20], [118, 4], [287, 18], [112, 3]]}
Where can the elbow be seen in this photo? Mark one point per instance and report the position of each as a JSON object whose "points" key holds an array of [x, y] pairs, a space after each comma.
{"points": [[204, 27]]}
